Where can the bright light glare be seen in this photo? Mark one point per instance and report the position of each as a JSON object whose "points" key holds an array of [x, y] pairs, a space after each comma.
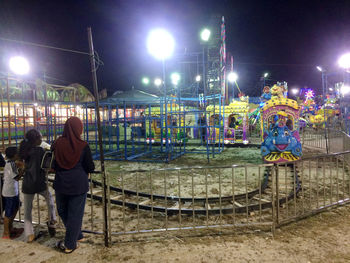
{"points": [[145, 81], [160, 44], [295, 91], [175, 78], [319, 68], [330, 89], [198, 78], [344, 61], [232, 77], [157, 82], [266, 75], [205, 34], [19, 65], [345, 89]]}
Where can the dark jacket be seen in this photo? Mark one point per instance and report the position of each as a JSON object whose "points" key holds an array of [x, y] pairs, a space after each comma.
{"points": [[74, 181], [34, 179], [2, 160]]}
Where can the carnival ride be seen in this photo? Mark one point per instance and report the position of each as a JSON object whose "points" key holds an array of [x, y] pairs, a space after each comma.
{"points": [[231, 120], [175, 122], [280, 131]]}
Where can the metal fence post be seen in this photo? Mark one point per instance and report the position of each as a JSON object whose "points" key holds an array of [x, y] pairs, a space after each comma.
{"points": [[273, 206], [104, 179]]}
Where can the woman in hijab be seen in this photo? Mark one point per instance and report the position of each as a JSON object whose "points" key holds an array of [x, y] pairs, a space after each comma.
{"points": [[73, 162]]}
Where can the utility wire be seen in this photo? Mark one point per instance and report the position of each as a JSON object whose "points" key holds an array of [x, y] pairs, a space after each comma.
{"points": [[267, 64], [98, 61], [53, 78], [44, 46]]}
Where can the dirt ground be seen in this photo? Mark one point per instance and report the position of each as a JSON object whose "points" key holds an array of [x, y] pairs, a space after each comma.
{"points": [[321, 238]]}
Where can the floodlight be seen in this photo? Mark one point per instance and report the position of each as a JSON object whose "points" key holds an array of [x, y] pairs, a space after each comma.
{"points": [[266, 75], [232, 77], [319, 68], [19, 65], [295, 91], [344, 89], [157, 82], [160, 44], [205, 34], [145, 80], [344, 61], [198, 78], [330, 89], [175, 78]]}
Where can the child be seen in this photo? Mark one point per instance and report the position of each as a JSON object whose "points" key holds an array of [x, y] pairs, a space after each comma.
{"points": [[34, 182], [10, 194]]}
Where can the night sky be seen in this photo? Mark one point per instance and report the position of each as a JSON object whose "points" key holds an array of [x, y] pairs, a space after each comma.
{"points": [[285, 38]]}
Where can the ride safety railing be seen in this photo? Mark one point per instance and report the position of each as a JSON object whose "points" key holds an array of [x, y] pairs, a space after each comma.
{"points": [[319, 182], [170, 200]]}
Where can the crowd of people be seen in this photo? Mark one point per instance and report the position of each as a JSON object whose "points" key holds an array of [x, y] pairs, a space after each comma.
{"points": [[72, 164]]}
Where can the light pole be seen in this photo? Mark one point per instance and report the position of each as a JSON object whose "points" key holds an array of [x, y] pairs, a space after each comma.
{"points": [[232, 78], [205, 37], [175, 79], [265, 76], [319, 68], [324, 86], [198, 79], [344, 63], [19, 66], [161, 44]]}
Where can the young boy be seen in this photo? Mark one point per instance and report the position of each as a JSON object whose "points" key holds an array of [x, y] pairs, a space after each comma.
{"points": [[10, 194]]}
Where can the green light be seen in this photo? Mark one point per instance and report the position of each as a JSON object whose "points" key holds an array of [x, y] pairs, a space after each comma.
{"points": [[145, 81]]}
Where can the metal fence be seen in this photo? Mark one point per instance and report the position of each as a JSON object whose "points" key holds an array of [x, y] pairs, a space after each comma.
{"points": [[198, 198], [314, 139], [320, 182]]}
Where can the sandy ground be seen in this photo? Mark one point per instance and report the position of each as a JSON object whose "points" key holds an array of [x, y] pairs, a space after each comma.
{"points": [[321, 238]]}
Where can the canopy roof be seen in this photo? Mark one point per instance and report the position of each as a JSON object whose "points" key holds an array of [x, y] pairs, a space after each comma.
{"points": [[132, 96]]}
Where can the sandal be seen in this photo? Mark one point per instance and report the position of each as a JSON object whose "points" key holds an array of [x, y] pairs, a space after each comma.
{"points": [[61, 247], [82, 240], [30, 238]]}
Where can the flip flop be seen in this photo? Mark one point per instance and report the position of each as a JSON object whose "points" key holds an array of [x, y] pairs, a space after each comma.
{"points": [[61, 247], [82, 240]]}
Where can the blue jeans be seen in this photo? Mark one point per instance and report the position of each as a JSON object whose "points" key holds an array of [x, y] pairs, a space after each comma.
{"points": [[71, 210]]}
